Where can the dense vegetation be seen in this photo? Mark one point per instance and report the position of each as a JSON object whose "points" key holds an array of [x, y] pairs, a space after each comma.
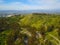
{"points": [[30, 29]]}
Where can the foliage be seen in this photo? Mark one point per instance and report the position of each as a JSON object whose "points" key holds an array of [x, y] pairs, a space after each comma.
{"points": [[30, 29]]}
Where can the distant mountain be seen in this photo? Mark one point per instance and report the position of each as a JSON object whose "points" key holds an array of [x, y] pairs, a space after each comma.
{"points": [[29, 11], [7, 12]]}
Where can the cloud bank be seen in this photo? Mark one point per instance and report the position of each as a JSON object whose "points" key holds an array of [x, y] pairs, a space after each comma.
{"points": [[30, 5]]}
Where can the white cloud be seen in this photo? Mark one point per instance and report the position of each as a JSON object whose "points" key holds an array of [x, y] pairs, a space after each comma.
{"points": [[37, 4], [21, 6], [46, 4]]}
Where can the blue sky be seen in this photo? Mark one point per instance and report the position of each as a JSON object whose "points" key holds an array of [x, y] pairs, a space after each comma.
{"points": [[29, 4]]}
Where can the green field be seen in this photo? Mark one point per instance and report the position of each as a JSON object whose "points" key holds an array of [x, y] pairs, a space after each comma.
{"points": [[30, 29]]}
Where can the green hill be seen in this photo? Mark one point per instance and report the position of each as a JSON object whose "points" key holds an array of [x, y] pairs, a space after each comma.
{"points": [[30, 29]]}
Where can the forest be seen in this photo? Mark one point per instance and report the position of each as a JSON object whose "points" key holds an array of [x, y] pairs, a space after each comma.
{"points": [[30, 29]]}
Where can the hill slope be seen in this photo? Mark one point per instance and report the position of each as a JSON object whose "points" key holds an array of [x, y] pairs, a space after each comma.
{"points": [[30, 29]]}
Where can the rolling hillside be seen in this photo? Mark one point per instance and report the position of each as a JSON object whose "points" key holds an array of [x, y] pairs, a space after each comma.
{"points": [[30, 29]]}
